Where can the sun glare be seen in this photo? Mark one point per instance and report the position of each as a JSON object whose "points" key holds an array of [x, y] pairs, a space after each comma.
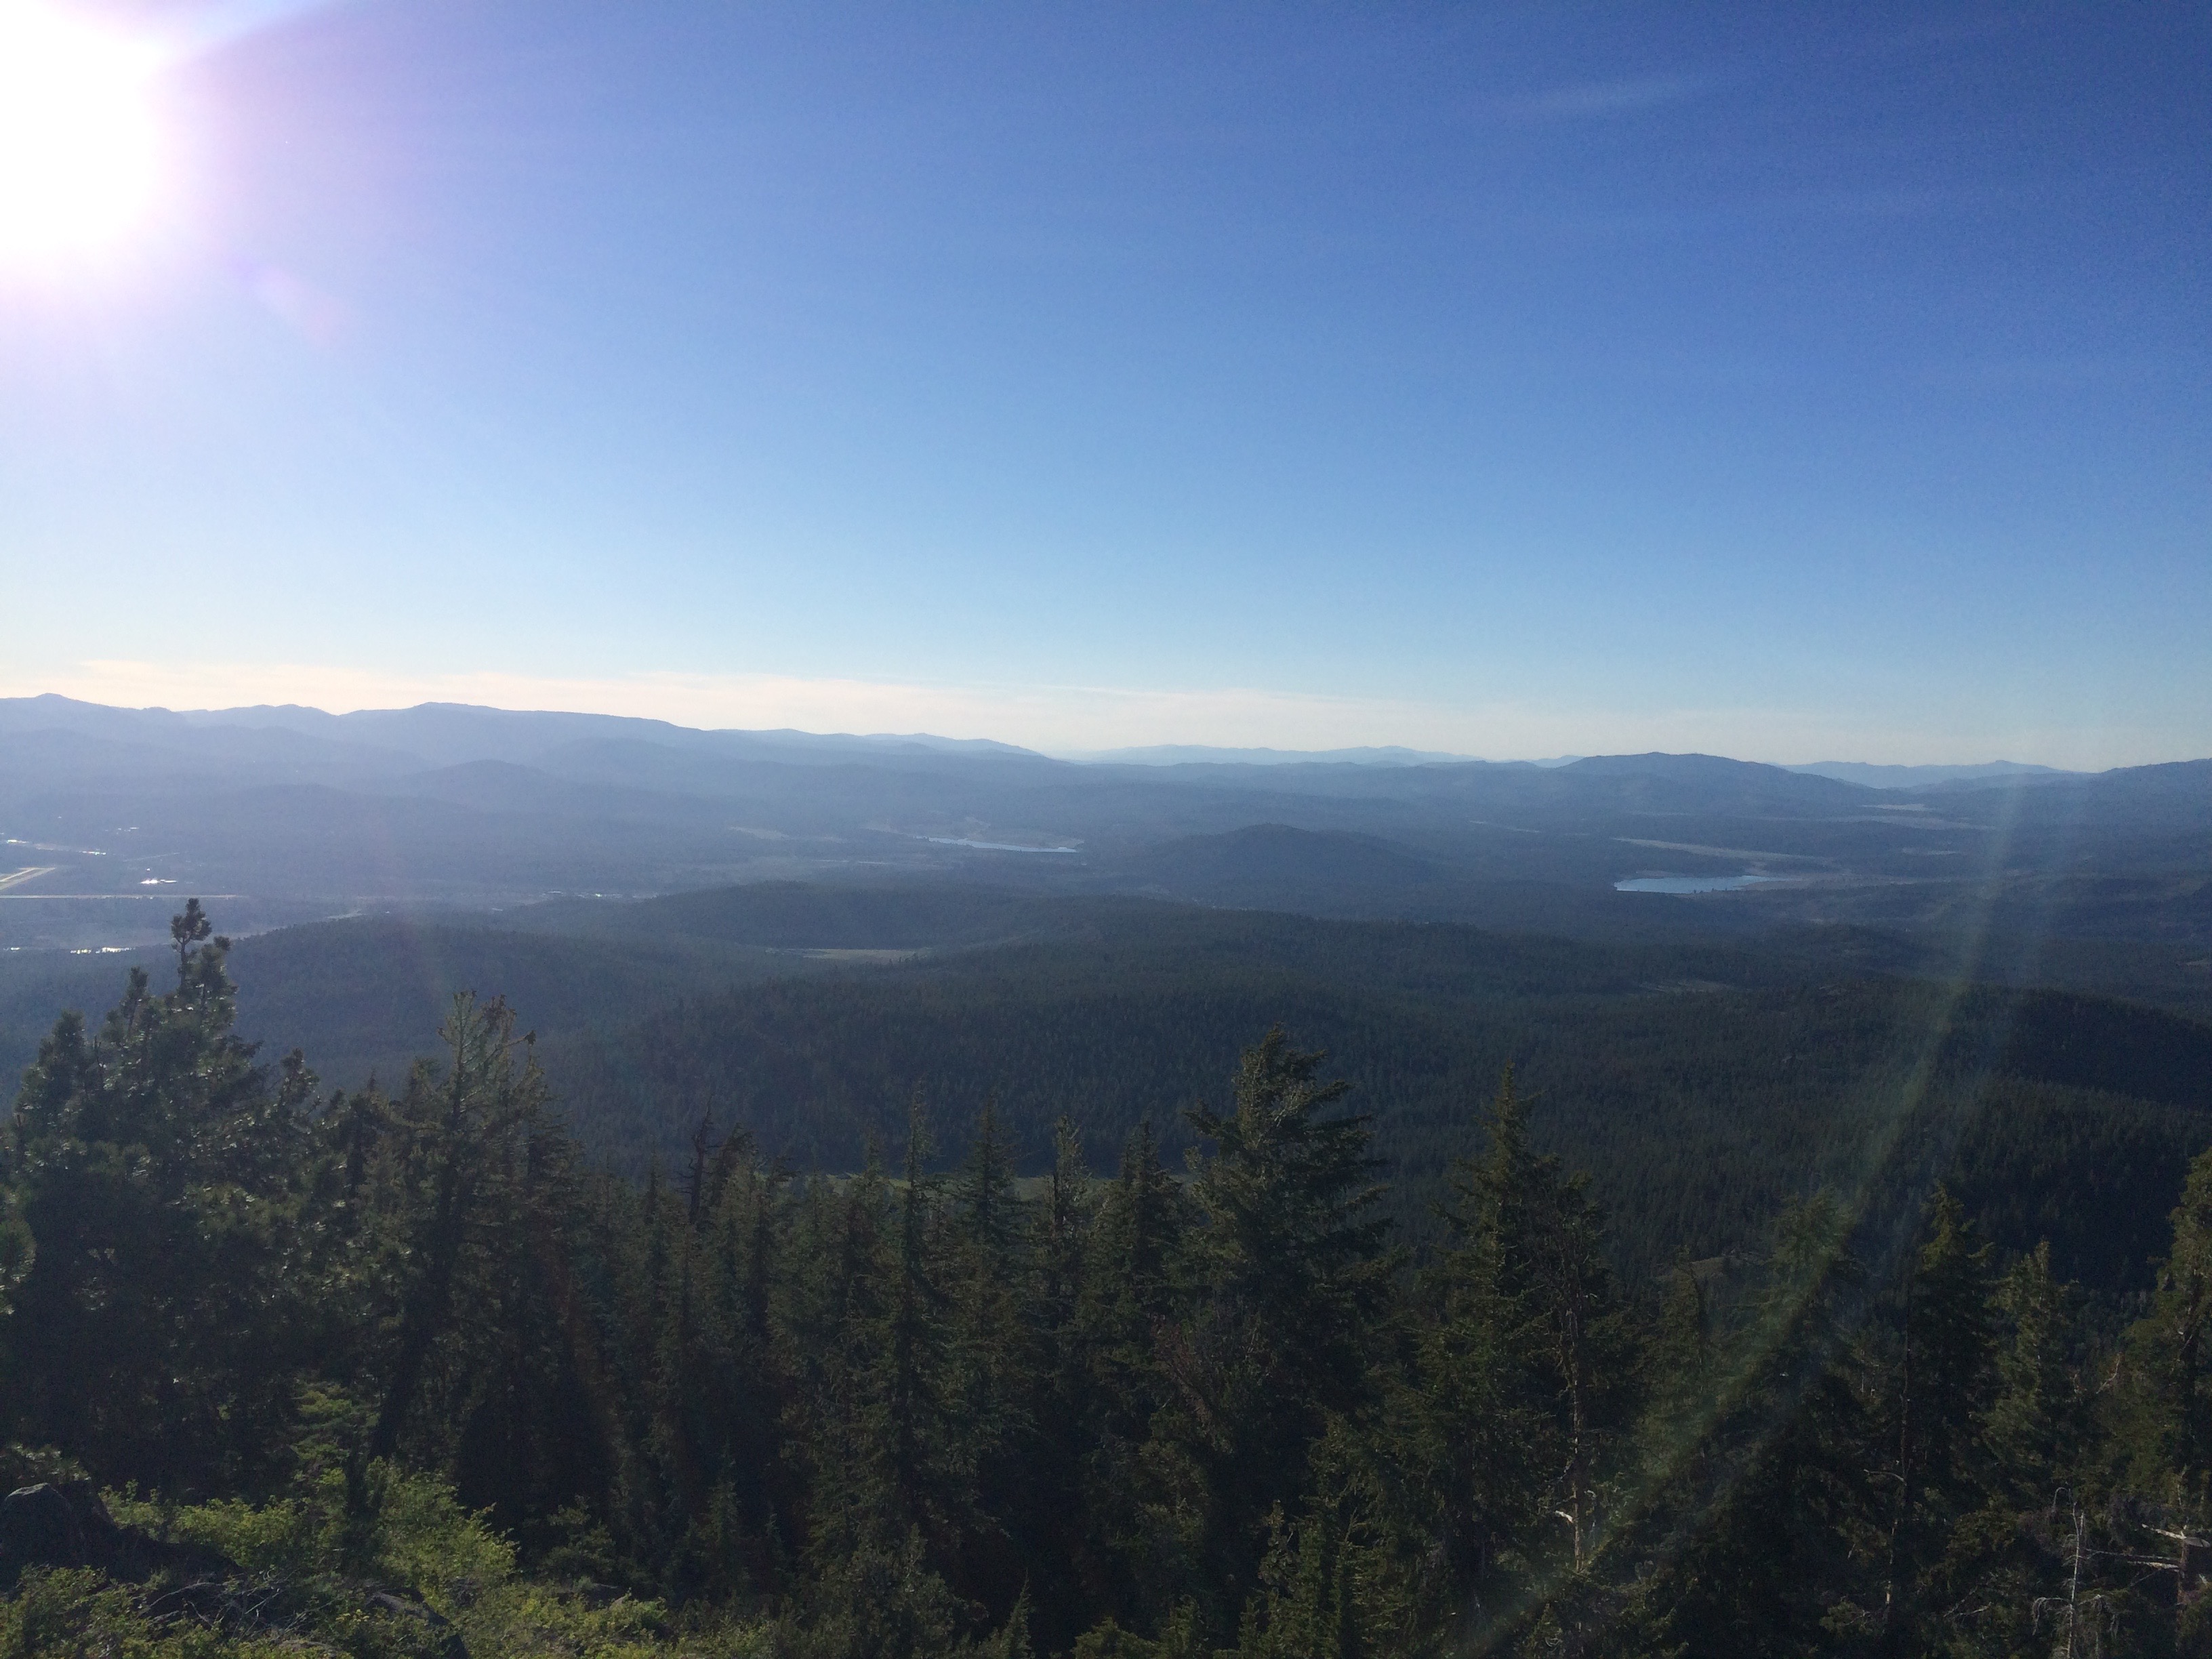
{"points": [[80, 148]]}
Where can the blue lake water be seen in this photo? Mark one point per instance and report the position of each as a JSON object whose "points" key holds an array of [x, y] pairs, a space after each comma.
{"points": [[1689, 884]]}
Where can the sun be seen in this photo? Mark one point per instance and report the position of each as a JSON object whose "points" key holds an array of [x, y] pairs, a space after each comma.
{"points": [[80, 149]]}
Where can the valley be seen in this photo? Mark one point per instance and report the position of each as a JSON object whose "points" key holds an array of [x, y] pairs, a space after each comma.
{"points": [[1725, 984]]}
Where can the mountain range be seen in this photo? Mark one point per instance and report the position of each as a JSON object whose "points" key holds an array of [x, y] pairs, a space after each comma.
{"points": [[282, 815]]}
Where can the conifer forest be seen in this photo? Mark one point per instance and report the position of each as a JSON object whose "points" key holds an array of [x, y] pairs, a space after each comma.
{"points": [[407, 1370], [1169, 831]]}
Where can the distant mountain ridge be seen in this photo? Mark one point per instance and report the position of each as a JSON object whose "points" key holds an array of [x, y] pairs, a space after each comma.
{"points": [[1190, 754], [289, 814], [448, 733], [1918, 777]]}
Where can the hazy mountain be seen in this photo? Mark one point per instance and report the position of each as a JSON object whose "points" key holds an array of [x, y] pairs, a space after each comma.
{"points": [[110, 815], [1699, 783], [1918, 777], [1184, 754], [447, 734]]}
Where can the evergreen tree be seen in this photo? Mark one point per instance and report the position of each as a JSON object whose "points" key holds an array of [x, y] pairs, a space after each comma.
{"points": [[929, 1417], [991, 1364], [1062, 1542], [165, 1302], [2025, 1548], [1290, 1259], [1943, 1383], [1764, 1545], [2166, 1409], [919, 1437], [1127, 1329], [1533, 1376], [1487, 1425], [469, 1164]]}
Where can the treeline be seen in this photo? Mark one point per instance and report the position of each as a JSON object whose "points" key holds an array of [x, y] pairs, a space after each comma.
{"points": [[303, 1339], [1698, 1107]]}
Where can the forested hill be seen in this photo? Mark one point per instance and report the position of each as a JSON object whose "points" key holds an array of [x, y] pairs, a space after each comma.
{"points": [[1703, 1085], [407, 1372], [1702, 1090], [295, 816]]}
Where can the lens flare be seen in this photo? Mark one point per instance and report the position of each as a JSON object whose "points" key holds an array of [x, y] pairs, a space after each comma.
{"points": [[81, 151]]}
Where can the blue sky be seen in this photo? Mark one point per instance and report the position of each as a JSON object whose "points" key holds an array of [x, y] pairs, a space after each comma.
{"points": [[1797, 383]]}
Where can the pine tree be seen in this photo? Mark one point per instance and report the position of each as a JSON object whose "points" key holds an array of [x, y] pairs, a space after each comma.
{"points": [[2166, 1409], [457, 1161], [1531, 1368], [1490, 1444], [1757, 1552], [992, 1362], [2038, 1423], [914, 1365], [1058, 1540], [1292, 1260], [984, 1198], [156, 1239], [1144, 1219], [2022, 1549], [1944, 1382], [1128, 1332]]}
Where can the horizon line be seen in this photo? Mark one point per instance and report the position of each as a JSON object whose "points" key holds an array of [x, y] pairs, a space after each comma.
{"points": [[1201, 752]]}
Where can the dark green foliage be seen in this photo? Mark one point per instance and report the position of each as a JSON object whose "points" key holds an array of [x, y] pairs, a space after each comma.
{"points": [[2115, 1048], [2165, 1372], [160, 1176], [419, 1339], [1287, 1263], [1702, 1090], [1543, 1286], [2095, 1176]]}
